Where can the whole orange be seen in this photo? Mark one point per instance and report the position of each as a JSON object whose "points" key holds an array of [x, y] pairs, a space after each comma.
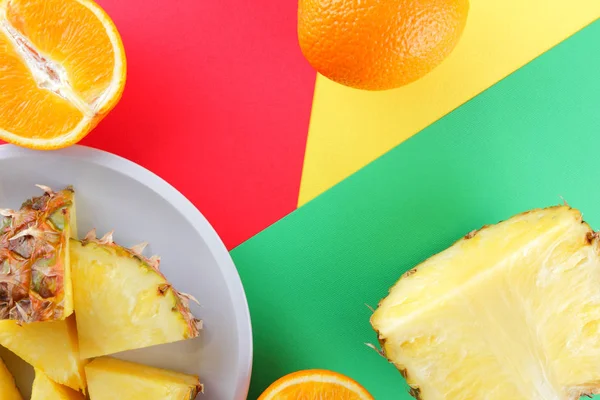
{"points": [[379, 44]]}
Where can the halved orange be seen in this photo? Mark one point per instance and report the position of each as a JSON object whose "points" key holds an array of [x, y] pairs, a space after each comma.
{"points": [[315, 384], [62, 69]]}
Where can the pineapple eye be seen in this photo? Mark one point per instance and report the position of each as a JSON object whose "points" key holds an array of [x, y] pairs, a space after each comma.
{"points": [[4, 267], [44, 280], [23, 246], [6, 223], [44, 285], [58, 218]]}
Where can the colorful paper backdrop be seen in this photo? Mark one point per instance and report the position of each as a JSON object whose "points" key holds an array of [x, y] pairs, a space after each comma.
{"points": [[524, 143], [219, 102], [219, 99]]}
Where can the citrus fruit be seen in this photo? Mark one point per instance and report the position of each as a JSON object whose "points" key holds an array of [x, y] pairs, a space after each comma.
{"points": [[315, 384], [379, 44], [62, 69]]}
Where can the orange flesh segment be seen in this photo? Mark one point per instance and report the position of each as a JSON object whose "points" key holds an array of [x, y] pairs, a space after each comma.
{"points": [[309, 391], [315, 384], [62, 69], [71, 35], [21, 114]]}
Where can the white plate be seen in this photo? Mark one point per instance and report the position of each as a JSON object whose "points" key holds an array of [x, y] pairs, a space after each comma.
{"points": [[113, 193]]}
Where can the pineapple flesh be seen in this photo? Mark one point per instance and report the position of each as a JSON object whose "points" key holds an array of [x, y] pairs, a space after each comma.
{"points": [[8, 389], [109, 379], [50, 347], [122, 301], [46, 389], [511, 311], [35, 282]]}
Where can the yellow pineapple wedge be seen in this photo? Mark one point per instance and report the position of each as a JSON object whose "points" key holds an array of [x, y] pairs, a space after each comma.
{"points": [[46, 389], [50, 347], [35, 282], [8, 389], [110, 379], [122, 301], [511, 311]]}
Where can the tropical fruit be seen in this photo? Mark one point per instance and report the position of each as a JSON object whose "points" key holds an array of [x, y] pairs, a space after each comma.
{"points": [[109, 378], [123, 301], [315, 384], [51, 347], [62, 69], [511, 311], [8, 389], [45, 389], [379, 44], [35, 282]]}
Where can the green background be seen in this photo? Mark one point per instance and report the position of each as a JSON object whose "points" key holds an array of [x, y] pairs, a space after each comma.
{"points": [[522, 144]]}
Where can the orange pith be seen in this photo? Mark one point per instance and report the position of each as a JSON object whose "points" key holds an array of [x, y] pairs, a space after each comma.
{"points": [[379, 44], [315, 384], [62, 69]]}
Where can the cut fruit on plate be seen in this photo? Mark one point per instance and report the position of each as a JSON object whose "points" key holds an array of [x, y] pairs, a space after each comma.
{"points": [[48, 346], [109, 378], [35, 281], [511, 311], [46, 389], [123, 301], [62, 69], [8, 389], [315, 384]]}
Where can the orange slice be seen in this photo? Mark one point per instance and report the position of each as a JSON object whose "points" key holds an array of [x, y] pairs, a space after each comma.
{"points": [[315, 384], [62, 69]]}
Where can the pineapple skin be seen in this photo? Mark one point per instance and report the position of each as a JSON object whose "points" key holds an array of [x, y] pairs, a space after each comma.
{"points": [[46, 389], [122, 300], [424, 324], [35, 282], [8, 389], [50, 347], [109, 378]]}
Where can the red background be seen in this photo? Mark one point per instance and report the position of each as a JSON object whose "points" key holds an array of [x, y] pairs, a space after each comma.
{"points": [[217, 103]]}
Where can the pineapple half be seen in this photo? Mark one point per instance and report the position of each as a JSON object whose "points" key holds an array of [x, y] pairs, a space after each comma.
{"points": [[35, 282], [8, 389], [511, 311], [50, 347], [122, 301], [46, 389], [109, 379]]}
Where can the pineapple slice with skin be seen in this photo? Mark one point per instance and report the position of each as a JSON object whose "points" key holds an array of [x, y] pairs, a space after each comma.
{"points": [[8, 388], [50, 347], [511, 311], [109, 378], [122, 301], [35, 282], [46, 389]]}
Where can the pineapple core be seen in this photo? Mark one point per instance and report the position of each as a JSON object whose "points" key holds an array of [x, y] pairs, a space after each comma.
{"points": [[511, 311]]}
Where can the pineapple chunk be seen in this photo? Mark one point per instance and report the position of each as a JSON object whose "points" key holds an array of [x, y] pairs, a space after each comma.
{"points": [[109, 378], [49, 346], [511, 311], [35, 282], [8, 389], [46, 389], [122, 301]]}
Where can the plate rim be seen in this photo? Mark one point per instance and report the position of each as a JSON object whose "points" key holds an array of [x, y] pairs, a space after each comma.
{"points": [[197, 220]]}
